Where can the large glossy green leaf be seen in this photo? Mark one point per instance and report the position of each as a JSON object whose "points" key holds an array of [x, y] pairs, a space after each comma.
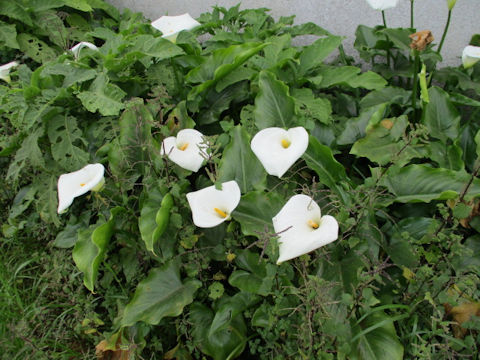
{"points": [[273, 104], [421, 183], [255, 276], [383, 144], [389, 94], [239, 163], [356, 128], [156, 47], [330, 172], [441, 117], [221, 63], [159, 295], [103, 96], [375, 338], [311, 107], [148, 214], [256, 210], [91, 246], [349, 76], [313, 55], [224, 344]]}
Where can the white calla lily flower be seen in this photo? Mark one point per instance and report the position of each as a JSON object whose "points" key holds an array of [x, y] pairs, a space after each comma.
{"points": [[77, 183], [185, 149], [5, 70], [278, 149], [470, 56], [170, 26], [210, 207], [301, 228], [382, 4], [76, 49]]}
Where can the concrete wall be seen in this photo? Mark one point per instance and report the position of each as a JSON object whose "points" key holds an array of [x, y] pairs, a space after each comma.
{"points": [[341, 17]]}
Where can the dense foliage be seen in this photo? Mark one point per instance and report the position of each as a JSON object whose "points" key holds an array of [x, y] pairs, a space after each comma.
{"points": [[392, 155]]}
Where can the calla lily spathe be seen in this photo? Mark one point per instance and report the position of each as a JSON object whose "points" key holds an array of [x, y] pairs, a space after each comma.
{"points": [[278, 149], [382, 4], [470, 56], [170, 26], [301, 228], [77, 183], [76, 49], [5, 70], [210, 207], [185, 149]]}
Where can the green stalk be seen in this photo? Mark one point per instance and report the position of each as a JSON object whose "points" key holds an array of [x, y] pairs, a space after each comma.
{"points": [[411, 13], [415, 84], [343, 56], [445, 31], [385, 25]]}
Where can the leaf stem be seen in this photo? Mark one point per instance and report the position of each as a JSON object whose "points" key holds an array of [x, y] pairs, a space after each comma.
{"points": [[445, 32], [388, 40], [343, 56]]}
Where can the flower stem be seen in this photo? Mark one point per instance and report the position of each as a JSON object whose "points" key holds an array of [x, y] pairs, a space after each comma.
{"points": [[445, 31], [343, 56], [411, 13], [388, 40], [415, 83]]}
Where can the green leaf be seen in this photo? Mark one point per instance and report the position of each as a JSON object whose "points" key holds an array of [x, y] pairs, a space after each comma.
{"points": [[102, 96], [46, 204], [383, 144], [313, 55], [315, 108], [375, 338], [349, 76], [156, 47], [273, 104], [147, 220], [29, 153], [160, 295], [330, 172], [389, 94], [256, 210], [91, 246], [221, 63], [421, 183], [239, 163], [71, 72], [441, 117], [36, 49], [68, 236], [447, 156], [400, 37], [255, 277], [66, 138], [8, 35], [12, 9], [356, 128]]}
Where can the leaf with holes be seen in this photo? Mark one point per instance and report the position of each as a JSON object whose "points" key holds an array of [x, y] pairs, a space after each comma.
{"points": [[102, 96]]}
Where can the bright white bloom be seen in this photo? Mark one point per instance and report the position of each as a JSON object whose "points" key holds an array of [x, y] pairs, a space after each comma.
{"points": [[170, 26], [5, 70], [307, 229], [470, 56], [78, 183], [76, 49], [210, 207], [278, 149], [185, 149], [382, 4]]}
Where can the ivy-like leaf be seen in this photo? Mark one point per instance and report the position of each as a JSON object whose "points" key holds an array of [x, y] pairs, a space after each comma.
{"points": [[35, 48], [273, 104], [102, 96], [91, 246], [160, 295], [65, 138], [29, 153], [239, 163], [8, 35]]}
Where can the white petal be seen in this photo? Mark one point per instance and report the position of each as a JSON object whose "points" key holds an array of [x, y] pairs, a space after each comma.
{"points": [[78, 183], [382, 4], [203, 202], [470, 56], [170, 26], [190, 158], [267, 146], [296, 236], [5, 70], [76, 49]]}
